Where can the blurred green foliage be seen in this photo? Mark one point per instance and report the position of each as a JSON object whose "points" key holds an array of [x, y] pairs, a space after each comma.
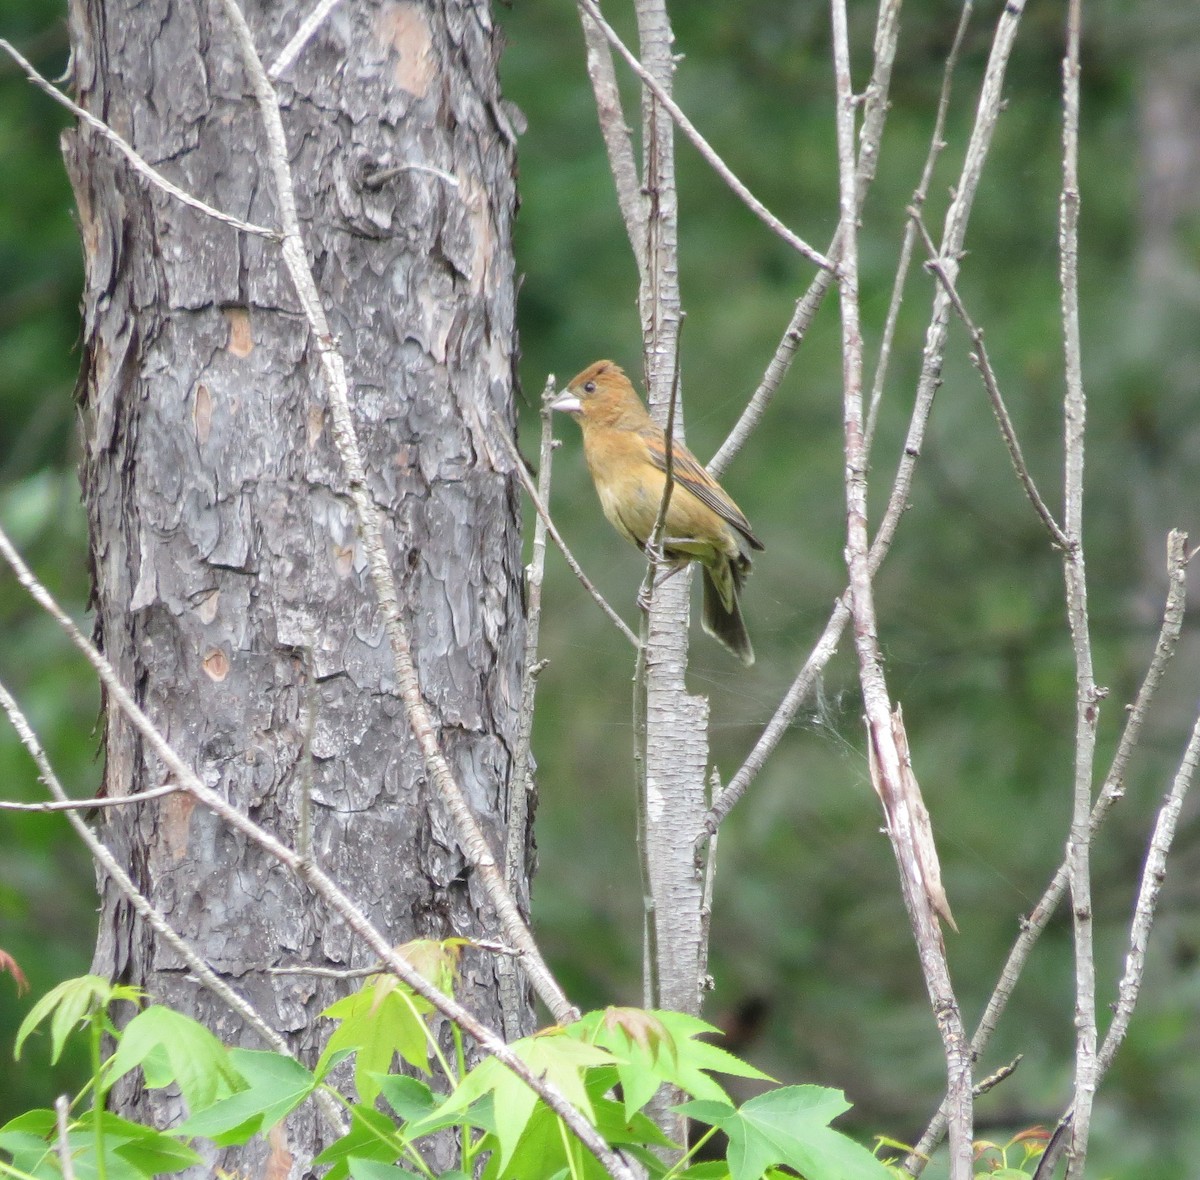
{"points": [[46, 882], [808, 916]]}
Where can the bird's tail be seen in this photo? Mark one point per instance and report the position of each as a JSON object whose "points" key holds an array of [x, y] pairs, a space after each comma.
{"points": [[722, 617]]}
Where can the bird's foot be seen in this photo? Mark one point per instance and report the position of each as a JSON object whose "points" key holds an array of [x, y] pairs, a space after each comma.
{"points": [[661, 577]]}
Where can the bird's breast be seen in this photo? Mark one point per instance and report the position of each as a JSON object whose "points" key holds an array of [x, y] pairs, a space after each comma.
{"points": [[630, 508]]}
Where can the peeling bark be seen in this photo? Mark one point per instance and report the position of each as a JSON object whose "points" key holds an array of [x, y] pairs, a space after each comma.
{"points": [[223, 541]]}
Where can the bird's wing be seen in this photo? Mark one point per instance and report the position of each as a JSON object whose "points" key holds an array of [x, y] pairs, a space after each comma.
{"points": [[688, 473]]}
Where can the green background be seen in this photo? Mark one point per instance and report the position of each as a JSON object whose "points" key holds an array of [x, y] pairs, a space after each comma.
{"points": [[808, 925]]}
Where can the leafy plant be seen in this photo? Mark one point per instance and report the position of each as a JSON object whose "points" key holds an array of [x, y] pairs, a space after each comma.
{"points": [[608, 1065]]}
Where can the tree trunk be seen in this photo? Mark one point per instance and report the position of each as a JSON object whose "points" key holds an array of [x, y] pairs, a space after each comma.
{"points": [[229, 587]]}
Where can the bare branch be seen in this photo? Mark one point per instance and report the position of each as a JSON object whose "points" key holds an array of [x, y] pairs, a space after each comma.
{"points": [[1113, 789], [701, 144], [377, 179], [1087, 694], [994, 1079], [897, 789], [875, 107], [827, 644], [521, 782], [140, 166], [980, 358], [109, 863], [91, 804], [1154, 873], [518, 811], [302, 36], [777, 367], [781, 720], [544, 515], [474, 844], [936, 144], [617, 141], [958, 215], [62, 1116]]}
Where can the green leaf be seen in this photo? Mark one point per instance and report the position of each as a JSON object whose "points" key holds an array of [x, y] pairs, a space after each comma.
{"points": [[708, 1170], [380, 1020], [553, 1054], [68, 1004], [150, 1151], [131, 1151], [330, 1061], [480, 1113], [789, 1126], [619, 1129], [26, 1138], [362, 1169], [541, 1151], [371, 1137], [657, 1048], [614, 1124], [541, 1154], [172, 1047], [410, 1098], [276, 1085]]}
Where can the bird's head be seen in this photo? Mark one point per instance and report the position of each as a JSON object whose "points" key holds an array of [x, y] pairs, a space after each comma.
{"points": [[601, 394]]}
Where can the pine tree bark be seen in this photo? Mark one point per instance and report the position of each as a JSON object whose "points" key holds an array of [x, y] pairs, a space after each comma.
{"points": [[229, 587]]}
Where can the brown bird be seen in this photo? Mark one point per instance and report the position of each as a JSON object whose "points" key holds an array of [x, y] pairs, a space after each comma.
{"points": [[627, 456]]}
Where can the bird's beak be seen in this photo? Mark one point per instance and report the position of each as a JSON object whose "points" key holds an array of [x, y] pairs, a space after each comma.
{"points": [[567, 402]]}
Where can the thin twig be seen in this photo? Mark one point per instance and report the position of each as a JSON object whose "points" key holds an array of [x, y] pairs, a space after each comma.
{"points": [[1113, 789], [474, 844], [980, 357], [375, 180], [62, 1119], [805, 681], [958, 215], [957, 219], [654, 547], [994, 1079], [300, 38], [710, 883], [875, 109], [518, 811], [1087, 694], [92, 804], [1154, 873], [897, 788], [520, 789], [326, 972], [701, 144], [140, 166], [117, 874], [310, 873], [544, 515], [936, 144], [617, 141], [483, 944], [825, 647]]}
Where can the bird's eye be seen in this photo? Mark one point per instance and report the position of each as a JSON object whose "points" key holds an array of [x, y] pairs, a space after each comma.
{"points": [[589, 387]]}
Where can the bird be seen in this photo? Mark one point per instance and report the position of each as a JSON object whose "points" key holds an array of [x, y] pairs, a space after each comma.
{"points": [[626, 454]]}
